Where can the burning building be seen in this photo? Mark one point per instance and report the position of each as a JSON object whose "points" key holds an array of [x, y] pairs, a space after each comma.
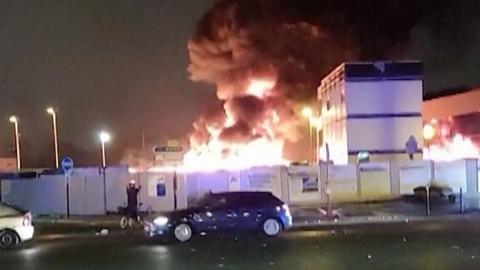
{"points": [[452, 125], [266, 57]]}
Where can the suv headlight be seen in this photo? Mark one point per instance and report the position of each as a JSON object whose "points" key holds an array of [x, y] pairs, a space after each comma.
{"points": [[160, 221], [287, 210]]}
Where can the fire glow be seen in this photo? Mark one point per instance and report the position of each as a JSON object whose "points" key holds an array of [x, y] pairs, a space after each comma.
{"points": [[255, 142], [458, 147]]}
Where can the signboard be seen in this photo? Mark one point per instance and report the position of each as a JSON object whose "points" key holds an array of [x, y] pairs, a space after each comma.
{"points": [[157, 186], [260, 182], [67, 165], [234, 183], [172, 143], [170, 154], [309, 184], [163, 148]]}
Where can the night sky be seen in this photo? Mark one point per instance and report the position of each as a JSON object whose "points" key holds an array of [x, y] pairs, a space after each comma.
{"points": [[121, 66], [115, 65]]}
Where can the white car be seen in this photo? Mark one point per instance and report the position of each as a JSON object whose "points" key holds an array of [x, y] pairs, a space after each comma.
{"points": [[15, 226]]}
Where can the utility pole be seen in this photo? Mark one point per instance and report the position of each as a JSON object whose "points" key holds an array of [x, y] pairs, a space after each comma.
{"points": [[143, 140]]}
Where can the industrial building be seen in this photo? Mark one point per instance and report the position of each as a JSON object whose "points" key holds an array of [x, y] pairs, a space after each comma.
{"points": [[371, 108]]}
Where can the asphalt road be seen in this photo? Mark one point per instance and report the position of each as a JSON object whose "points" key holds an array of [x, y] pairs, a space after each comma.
{"points": [[427, 245]]}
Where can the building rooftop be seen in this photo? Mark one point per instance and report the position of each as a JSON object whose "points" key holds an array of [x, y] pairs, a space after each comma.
{"points": [[379, 70], [449, 92]]}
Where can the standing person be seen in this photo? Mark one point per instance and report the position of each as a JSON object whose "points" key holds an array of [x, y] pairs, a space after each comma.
{"points": [[132, 199]]}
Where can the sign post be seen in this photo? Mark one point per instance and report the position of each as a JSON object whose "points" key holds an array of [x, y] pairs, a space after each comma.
{"points": [[67, 167], [327, 184]]}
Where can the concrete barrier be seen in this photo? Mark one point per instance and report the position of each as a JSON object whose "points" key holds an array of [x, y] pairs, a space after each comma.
{"points": [[342, 182], [304, 185], [413, 174], [86, 194], [294, 184], [374, 180], [157, 192], [42, 196], [452, 174], [265, 179]]}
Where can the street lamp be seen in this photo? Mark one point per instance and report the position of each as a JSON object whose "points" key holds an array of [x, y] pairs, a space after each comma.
{"points": [[53, 113], [307, 112], [428, 132], [14, 120], [104, 138]]}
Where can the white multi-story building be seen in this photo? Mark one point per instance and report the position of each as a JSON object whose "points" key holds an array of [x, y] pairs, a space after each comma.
{"points": [[371, 107]]}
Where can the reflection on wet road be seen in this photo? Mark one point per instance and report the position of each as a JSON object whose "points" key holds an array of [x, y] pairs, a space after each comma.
{"points": [[436, 245]]}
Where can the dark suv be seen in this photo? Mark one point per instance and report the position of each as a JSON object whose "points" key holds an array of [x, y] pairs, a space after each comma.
{"points": [[225, 212]]}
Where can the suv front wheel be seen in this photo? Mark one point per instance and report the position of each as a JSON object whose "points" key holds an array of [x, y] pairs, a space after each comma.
{"points": [[182, 232]]}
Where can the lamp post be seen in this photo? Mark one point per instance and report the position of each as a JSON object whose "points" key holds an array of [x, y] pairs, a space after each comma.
{"points": [[104, 138], [14, 120], [428, 134], [317, 123], [307, 112], [53, 113]]}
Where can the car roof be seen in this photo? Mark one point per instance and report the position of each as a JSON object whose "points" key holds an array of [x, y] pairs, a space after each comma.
{"points": [[242, 193], [247, 194]]}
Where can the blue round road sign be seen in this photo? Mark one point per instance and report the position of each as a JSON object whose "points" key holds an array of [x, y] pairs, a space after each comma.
{"points": [[67, 165]]}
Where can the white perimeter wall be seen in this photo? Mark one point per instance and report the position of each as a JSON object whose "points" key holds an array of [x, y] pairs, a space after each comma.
{"points": [[294, 185]]}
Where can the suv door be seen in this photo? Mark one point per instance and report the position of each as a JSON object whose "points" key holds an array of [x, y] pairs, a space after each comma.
{"points": [[217, 214], [226, 213], [249, 208]]}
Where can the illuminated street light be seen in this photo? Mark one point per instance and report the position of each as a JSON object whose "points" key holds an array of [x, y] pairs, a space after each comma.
{"points": [[428, 132], [104, 138], [14, 120], [53, 113], [307, 112]]}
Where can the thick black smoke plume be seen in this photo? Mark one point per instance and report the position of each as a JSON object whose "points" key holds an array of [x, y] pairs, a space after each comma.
{"points": [[293, 43]]}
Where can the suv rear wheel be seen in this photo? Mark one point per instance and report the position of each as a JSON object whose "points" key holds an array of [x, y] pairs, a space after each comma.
{"points": [[271, 227]]}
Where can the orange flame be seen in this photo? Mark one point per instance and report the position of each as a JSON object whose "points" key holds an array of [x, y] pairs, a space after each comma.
{"points": [[260, 87], [459, 147], [266, 150]]}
